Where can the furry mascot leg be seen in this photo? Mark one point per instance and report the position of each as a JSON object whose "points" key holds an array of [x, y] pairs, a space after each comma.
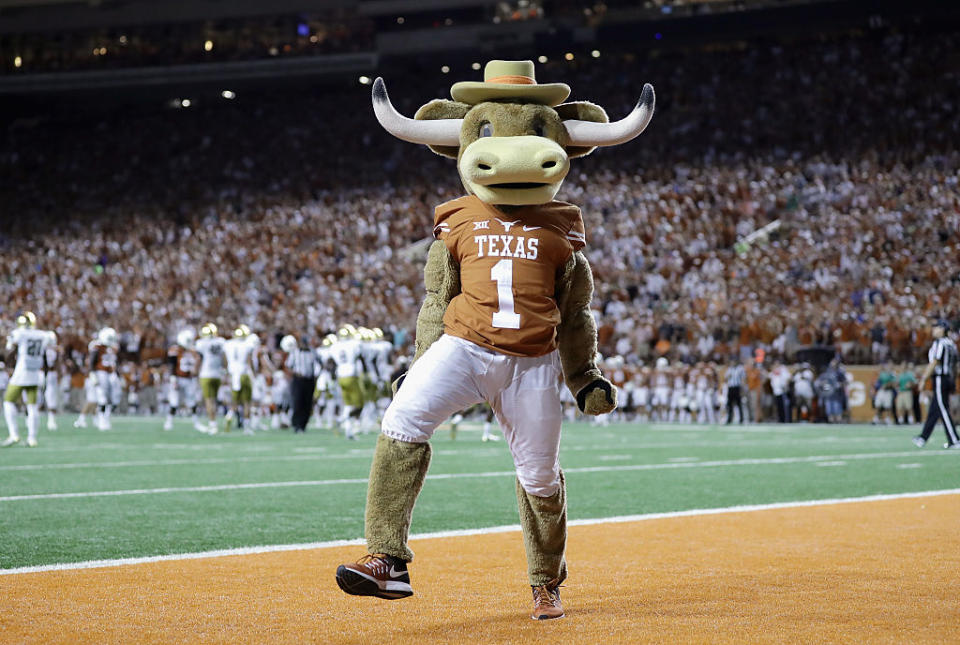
{"points": [[396, 477], [544, 522]]}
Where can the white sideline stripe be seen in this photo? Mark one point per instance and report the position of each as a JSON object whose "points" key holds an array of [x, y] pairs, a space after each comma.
{"points": [[511, 528], [814, 459]]}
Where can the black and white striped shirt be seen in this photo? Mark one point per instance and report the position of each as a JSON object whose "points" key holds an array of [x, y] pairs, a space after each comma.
{"points": [[301, 362], [943, 352], [736, 376]]}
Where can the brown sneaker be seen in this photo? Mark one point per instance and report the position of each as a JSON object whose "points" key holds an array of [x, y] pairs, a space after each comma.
{"points": [[377, 575], [546, 601]]}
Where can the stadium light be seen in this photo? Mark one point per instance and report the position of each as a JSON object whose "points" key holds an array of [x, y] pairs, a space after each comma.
{"points": [[18, 62], [542, 59], [595, 53], [228, 94], [475, 66], [186, 103], [445, 69], [568, 55], [365, 80], [208, 46], [400, 20]]}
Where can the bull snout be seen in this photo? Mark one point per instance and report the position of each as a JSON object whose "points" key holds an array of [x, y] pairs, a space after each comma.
{"points": [[514, 161]]}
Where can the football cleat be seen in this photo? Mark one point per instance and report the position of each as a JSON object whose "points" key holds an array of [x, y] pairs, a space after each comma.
{"points": [[31, 442], [378, 575], [168, 424], [80, 423], [546, 601], [10, 441], [952, 446], [918, 441]]}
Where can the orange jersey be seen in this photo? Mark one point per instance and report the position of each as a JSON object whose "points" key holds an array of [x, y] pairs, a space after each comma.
{"points": [[186, 361], [508, 267], [105, 357]]}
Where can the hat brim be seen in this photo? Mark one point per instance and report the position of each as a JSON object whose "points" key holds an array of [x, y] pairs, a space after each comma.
{"points": [[474, 92]]}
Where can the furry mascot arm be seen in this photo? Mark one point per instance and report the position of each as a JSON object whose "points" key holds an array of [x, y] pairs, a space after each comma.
{"points": [[577, 339], [441, 278]]}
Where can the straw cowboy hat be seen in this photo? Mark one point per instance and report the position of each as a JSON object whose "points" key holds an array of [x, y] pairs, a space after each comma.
{"points": [[509, 79]]}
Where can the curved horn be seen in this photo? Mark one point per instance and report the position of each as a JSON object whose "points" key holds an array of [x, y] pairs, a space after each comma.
{"points": [[440, 132], [587, 134]]}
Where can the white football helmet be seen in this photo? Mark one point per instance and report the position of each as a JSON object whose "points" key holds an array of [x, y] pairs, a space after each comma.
{"points": [[241, 332], [208, 331], [108, 336], [288, 343], [186, 337]]}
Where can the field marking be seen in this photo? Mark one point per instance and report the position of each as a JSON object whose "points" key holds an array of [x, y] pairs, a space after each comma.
{"points": [[815, 459], [511, 528], [319, 452]]}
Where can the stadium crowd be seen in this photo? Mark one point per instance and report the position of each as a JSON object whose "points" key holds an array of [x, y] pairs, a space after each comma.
{"points": [[296, 215]]}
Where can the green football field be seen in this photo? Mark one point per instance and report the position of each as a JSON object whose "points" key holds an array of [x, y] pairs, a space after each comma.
{"points": [[139, 491]]}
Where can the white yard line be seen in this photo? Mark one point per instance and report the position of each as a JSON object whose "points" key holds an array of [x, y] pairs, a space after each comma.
{"points": [[94, 564], [319, 453], [499, 473]]}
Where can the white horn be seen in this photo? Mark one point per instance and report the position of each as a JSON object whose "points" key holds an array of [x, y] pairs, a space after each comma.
{"points": [[438, 132], [587, 134]]}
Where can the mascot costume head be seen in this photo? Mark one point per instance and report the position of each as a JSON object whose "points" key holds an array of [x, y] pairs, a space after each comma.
{"points": [[513, 138], [505, 276]]}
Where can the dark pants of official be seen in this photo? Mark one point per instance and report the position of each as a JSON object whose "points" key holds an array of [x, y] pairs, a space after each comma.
{"points": [[733, 399], [783, 407], [940, 410], [301, 391]]}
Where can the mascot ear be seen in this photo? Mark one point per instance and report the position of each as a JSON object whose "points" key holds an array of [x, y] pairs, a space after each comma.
{"points": [[443, 109], [582, 111]]}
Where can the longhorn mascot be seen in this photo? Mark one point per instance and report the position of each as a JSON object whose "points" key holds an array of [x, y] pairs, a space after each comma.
{"points": [[506, 317]]}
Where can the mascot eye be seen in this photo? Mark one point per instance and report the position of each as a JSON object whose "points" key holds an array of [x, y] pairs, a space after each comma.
{"points": [[486, 130]]}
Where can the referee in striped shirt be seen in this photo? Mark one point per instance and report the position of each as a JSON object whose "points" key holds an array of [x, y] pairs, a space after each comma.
{"points": [[736, 377], [943, 367], [301, 363]]}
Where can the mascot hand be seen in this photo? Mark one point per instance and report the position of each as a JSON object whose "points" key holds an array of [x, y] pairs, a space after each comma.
{"points": [[396, 384], [598, 397]]}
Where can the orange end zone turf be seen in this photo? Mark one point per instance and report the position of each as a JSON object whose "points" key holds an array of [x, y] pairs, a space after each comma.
{"points": [[867, 572]]}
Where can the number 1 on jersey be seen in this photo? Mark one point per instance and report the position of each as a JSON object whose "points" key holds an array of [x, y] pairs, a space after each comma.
{"points": [[502, 274]]}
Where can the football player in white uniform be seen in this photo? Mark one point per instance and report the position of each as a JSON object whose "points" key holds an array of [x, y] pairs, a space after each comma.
{"points": [[212, 363], [370, 381], [661, 389], [350, 369], [327, 394], [51, 389], [240, 351], [705, 383], [30, 345], [103, 359]]}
